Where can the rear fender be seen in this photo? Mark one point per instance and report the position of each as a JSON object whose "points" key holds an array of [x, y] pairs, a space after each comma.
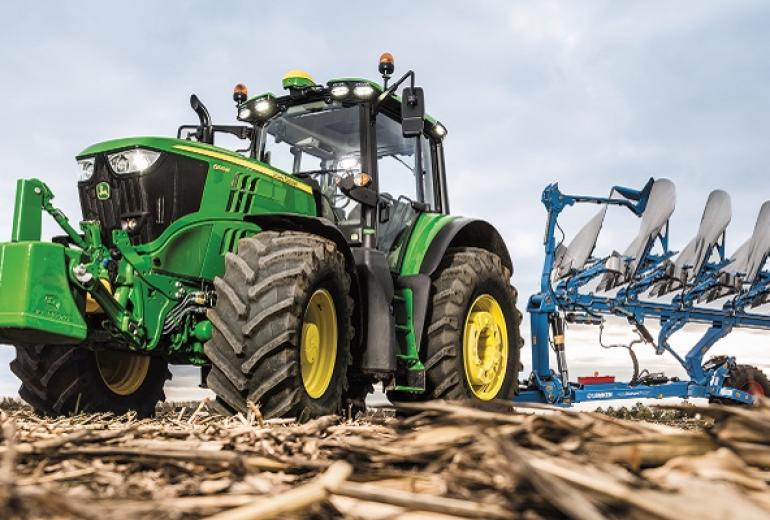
{"points": [[464, 232], [423, 259]]}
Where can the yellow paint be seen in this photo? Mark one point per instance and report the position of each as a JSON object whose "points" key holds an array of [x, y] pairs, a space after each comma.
{"points": [[122, 372], [92, 306], [485, 347], [297, 73], [318, 344], [281, 177]]}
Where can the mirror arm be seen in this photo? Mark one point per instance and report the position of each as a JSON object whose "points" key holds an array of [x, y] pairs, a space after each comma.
{"points": [[392, 89]]}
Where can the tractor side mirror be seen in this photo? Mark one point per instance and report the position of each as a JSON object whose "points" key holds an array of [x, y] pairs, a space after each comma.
{"points": [[361, 194], [412, 111]]}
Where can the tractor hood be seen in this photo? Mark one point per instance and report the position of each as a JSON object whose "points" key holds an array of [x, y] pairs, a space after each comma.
{"points": [[143, 184], [165, 144], [217, 158]]}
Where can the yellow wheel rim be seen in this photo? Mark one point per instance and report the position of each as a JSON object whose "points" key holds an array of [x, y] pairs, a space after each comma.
{"points": [[485, 347], [318, 345], [122, 372]]}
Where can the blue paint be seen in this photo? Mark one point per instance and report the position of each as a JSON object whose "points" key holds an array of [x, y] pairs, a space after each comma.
{"points": [[564, 297]]}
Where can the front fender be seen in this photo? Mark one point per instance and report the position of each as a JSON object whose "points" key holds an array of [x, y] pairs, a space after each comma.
{"points": [[315, 225]]}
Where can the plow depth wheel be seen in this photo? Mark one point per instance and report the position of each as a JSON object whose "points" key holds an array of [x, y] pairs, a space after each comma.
{"points": [[747, 378]]}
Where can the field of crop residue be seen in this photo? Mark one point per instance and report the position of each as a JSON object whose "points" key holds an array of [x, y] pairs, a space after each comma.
{"points": [[430, 460]]}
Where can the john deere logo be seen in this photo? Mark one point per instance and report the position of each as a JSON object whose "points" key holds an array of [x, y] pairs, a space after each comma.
{"points": [[103, 191]]}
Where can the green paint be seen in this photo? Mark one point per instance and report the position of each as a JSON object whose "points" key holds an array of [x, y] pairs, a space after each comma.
{"points": [[203, 331], [37, 302], [153, 278], [255, 98], [297, 82], [425, 230], [411, 354], [28, 212], [378, 90]]}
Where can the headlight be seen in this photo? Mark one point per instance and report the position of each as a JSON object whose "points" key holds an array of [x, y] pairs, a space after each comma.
{"points": [[86, 169], [340, 90], [439, 130], [258, 110], [363, 90], [132, 161], [263, 107]]}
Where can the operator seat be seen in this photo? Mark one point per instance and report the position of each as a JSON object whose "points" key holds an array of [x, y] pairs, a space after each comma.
{"points": [[748, 259], [400, 215], [660, 205], [690, 262]]}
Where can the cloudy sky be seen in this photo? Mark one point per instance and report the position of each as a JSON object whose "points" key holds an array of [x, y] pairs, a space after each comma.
{"points": [[589, 94]]}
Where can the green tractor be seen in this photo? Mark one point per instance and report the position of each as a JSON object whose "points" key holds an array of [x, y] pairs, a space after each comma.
{"points": [[297, 272]]}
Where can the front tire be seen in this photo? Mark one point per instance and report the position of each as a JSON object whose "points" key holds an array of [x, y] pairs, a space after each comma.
{"points": [[282, 327], [473, 341], [59, 380]]}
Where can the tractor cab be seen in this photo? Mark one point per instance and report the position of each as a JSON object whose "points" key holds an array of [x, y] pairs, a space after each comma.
{"points": [[372, 170]]}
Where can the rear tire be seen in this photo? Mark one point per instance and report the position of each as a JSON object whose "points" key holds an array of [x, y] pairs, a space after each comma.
{"points": [[469, 283], [277, 302], [59, 380]]}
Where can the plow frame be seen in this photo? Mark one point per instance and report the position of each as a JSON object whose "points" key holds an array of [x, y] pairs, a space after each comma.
{"points": [[549, 308]]}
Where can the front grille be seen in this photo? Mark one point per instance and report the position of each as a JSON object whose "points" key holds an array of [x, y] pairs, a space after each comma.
{"points": [[170, 189]]}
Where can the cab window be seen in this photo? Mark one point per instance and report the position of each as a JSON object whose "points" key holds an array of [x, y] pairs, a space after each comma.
{"points": [[398, 179], [396, 160]]}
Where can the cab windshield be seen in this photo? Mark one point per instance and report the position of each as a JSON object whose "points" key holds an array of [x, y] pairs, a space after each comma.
{"points": [[322, 142]]}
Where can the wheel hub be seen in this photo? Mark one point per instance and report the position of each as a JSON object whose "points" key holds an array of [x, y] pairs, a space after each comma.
{"points": [[485, 347], [122, 372], [312, 342], [318, 344]]}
